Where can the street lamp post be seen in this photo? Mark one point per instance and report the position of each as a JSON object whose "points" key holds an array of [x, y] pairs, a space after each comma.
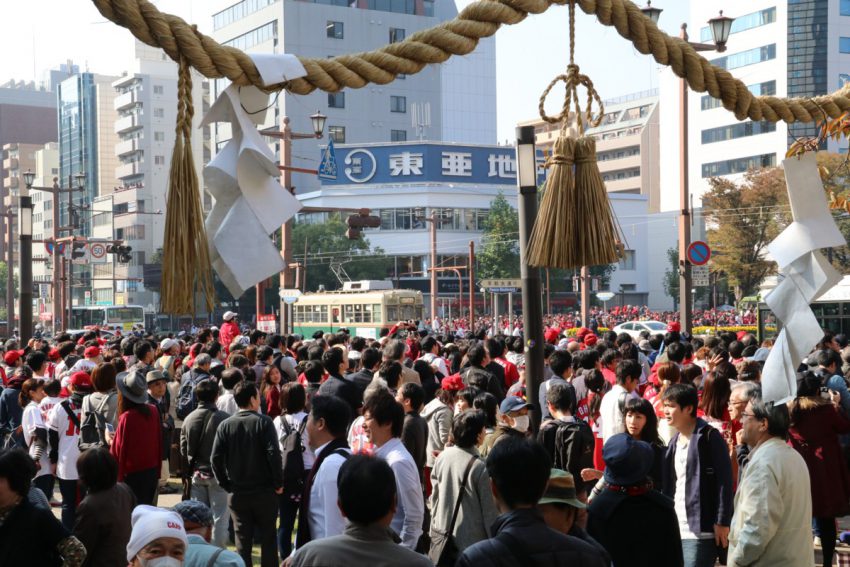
{"points": [[25, 235], [532, 309], [721, 27], [286, 135]]}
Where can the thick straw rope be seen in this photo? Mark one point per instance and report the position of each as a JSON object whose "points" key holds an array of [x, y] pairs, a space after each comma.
{"points": [[460, 37]]}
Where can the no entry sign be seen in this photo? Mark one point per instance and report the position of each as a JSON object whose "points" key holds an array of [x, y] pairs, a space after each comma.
{"points": [[699, 253]]}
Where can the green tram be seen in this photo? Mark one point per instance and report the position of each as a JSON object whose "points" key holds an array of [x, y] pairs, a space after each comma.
{"points": [[364, 308], [832, 310]]}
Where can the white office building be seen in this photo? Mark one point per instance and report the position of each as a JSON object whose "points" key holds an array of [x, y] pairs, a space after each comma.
{"points": [[781, 48], [454, 102], [133, 209]]}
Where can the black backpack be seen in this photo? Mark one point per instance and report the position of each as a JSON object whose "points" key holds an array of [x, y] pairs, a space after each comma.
{"points": [[573, 449], [292, 454], [93, 428], [186, 401]]}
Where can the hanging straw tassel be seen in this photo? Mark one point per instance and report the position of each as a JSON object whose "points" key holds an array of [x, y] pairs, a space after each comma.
{"points": [[596, 241], [550, 244], [186, 261]]}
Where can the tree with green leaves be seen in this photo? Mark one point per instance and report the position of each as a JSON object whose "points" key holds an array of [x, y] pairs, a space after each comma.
{"points": [[327, 245], [4, 272], [499, 253], [742, 219]]}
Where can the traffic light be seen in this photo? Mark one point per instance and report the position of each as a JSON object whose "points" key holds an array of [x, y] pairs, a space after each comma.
{"points": [[78, 251], [121, 252], [361, 220]]}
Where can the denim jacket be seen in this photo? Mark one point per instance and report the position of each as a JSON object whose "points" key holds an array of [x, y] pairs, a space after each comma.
{"points": [[709, 498]]}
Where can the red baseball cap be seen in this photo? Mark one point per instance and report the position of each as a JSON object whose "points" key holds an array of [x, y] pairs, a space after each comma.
{"points": [[91, 352], [53, 354], [674, 327], [80, 380], [590, 339], [551, 335], [452, 383], [12, 356]]}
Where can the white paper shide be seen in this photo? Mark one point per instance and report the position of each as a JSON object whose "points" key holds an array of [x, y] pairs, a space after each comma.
{"points": [[243, 178]]}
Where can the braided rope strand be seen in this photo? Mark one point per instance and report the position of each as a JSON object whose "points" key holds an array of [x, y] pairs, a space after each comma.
{"points": [[460, 37]]}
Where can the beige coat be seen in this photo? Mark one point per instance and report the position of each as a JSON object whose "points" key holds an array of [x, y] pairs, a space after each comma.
{"points": [[772, 524]]}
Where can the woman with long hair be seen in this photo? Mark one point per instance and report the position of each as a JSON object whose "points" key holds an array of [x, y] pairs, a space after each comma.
{"points": [[486, 402], [642, 425], [35, 433], [438, 414], [427, 379], [292, 417], [137, 445], [270, 390], [816, 423]]}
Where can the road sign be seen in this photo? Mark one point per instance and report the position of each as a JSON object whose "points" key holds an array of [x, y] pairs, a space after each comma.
{"points": [[699, 276], [496, 286], [327, 168], [289, 296], [699, 253], [50, 246], [97, 252]]}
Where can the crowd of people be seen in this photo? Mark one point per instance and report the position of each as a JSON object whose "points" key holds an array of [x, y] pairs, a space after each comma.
{"points": [[420, 447], [598, 318]]}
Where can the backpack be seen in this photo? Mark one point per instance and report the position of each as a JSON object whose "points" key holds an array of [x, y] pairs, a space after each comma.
{"points": [[573, 449], [186, 401], [292, 454], [93, 428]]}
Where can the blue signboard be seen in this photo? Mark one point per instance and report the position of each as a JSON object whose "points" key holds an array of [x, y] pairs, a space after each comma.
{"points": [[427, 163], [327, 167]]}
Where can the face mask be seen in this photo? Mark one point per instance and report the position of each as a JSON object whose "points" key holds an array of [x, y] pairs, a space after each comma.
{"points": [[521, 423], [166, 561]]}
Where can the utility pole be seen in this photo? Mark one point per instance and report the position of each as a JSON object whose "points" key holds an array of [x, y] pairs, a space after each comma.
{"points": [[472, 286]]}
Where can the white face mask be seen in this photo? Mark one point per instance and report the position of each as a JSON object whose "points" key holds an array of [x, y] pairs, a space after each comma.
{"points": [[521, 423], [166, 561]]}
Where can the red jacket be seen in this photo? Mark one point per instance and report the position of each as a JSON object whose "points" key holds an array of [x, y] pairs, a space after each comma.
{"points": [[228, 331], [138, 442]]}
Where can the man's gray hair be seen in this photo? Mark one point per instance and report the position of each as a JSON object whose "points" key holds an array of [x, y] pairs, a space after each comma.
{"points": [[777, 416], [747, 390], [202, 359], [394, 350]]}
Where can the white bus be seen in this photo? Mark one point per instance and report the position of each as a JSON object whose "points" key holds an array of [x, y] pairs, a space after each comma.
{"points": [[112, 317]]}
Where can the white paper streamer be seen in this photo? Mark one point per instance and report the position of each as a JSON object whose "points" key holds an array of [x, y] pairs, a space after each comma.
{"points": [[806, 276], [250, 203]]}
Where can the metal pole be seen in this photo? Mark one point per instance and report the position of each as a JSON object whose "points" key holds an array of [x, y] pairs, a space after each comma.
{"points": [[472, 285], [70, 272], [57, 284], [62, 293], [685, 299], [585, 296], [548, 294], [303, 281], [25, 208], [495, 312], [433, 221], [286, 229], [510, 311], [531, 301], [10, 279]]}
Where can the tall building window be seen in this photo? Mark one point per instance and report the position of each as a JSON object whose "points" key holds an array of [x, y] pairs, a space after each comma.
{"points": [[159, 113], [398, 104], [396, 35], [737, 130], [398, 135], [336, 100], [159, 160], [748, 57], [739, 165], [157, 89], [335, 30], [337, 134], [844, 44], [267, 32], [845, 7], [159, 136], [627, 262]]}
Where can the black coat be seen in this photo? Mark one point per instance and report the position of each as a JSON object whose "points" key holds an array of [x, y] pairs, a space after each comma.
{"points": [[30, 536], [361, 379], [484, 380], [345, 389], [246, 454], [522, 539], [638, 531]]}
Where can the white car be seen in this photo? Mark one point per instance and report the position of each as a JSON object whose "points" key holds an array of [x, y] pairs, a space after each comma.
{"points": [[634, 328]]}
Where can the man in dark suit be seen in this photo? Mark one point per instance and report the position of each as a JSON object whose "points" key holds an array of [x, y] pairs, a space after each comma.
{"points": [[370, 361]]}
